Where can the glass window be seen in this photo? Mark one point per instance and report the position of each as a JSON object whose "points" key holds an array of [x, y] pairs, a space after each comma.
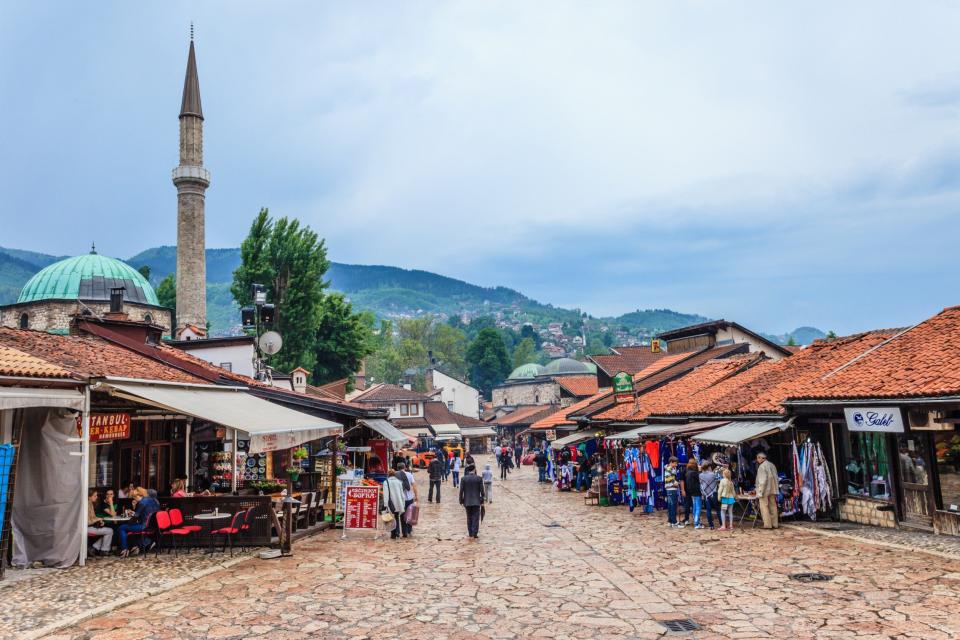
{"points": [[946, 445], [404, 409], [868, 473], [104, 468], [912, 460]]}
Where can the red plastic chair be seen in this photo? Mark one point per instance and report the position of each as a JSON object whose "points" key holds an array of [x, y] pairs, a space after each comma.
{"points": [[176, 521], [165, 529], [236, 522], [247, 521]]}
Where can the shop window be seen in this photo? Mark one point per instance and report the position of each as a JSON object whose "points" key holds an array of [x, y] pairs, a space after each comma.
{"points": [[867, 467], [104, 468], [24, 321], [946, 444], [404, 409]]}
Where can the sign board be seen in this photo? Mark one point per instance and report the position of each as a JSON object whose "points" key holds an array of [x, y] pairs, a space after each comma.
{"points": [[551, 435], [884, 419], [363, 508], [623, 383], [105, 427], [656, 346]]}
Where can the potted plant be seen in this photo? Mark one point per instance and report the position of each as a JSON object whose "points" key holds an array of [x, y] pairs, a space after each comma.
{"points": [[300, 453], [293, 473]]}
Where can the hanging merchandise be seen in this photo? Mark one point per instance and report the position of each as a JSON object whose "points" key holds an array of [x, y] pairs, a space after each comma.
{"points": [[696, 452]]}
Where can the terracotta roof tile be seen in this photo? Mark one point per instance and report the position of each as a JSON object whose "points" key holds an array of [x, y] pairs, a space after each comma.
{"points": [[629, 359], [526, 414], [559, 418], [437, 412], [14, 362], [578, 386], [918, 362], [389, 393]]}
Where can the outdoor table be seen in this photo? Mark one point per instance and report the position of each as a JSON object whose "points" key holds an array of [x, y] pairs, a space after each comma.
{"points": [[209, 519], [747, 501], [116, 519]]}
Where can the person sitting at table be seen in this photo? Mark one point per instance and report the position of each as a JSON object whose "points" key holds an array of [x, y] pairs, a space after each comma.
{"points": [[95, 525], [145, 506], [108, 507], [126, 491], [177, 489]]}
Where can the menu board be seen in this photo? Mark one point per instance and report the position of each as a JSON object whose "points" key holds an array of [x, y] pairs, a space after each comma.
{"points": [[362, 507]]}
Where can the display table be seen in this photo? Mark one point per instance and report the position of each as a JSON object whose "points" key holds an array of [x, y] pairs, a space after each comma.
{"points": [[747, 502], [210, 519]]}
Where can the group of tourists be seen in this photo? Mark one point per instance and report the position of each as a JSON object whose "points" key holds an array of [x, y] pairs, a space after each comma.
{"points": [[106, 520]]}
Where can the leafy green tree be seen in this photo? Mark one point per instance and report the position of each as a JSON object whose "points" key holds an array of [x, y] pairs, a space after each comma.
{"points": [[524, 353], [449, 346], [791, 341], [290, 261], [488, 360], [343, 340], [144, 270], [167, 292], [527, 331], [383, 364], [831, 335]]}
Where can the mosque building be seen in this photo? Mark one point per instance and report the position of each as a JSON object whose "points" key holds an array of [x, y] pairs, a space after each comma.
{"points": [[96, 285]]}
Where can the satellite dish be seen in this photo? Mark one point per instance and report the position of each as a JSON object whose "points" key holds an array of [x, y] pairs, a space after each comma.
{"points": [[271, 342]]}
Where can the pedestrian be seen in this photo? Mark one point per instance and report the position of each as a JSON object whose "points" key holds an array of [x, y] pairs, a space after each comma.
{"points": [[471, 497], [518, 452], [541, 461], [768, 486], [584, 475], [693, 493], [394, 501], [504, 463], [728, 496], [435, 471], [456, 471], [709, 481], [469, 461], [410, 497], [447, 458], [488, 483], [671, 485]]}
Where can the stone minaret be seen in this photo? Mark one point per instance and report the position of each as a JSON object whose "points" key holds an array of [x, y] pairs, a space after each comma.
{"points": [[191, 180]]}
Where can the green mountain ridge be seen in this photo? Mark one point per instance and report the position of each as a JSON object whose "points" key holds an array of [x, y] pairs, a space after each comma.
{"points": [[386, 291]]}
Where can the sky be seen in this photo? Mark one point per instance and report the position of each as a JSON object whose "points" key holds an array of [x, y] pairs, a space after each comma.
{"points": [[776, 164]]}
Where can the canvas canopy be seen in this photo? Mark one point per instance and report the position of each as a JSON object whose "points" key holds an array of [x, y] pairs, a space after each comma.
{"points": [[573, 438], [477, 432], [270, 426], [737, 432], [447, 432], [22, 398], [387, 430]]}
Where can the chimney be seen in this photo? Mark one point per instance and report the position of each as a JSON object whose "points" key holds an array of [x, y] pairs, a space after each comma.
{"points": [[298, 379], [116, 305]]}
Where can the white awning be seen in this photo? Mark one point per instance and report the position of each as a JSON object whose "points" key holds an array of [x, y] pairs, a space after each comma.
{"points": [[21, 398], [632, 434], [418, 432], [270, 426], [477, 432], [737, 432], [446, 432], [573, 438], [387, 430]]}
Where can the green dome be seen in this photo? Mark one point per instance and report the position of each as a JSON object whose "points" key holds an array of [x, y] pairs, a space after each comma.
{"points": [[565, 365], [88, 277], [525, 371]]}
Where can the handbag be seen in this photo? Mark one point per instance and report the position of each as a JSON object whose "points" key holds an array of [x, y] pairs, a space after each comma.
{"points": [[412, 515], [728, 500], [387, 518]]}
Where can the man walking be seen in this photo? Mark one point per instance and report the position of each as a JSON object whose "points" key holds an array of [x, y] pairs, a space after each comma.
{"points": [[518, 452], [504, 463], [768, 486], [672, 487], [541, 460], [435, 470], [471, 497], [456, 471]]}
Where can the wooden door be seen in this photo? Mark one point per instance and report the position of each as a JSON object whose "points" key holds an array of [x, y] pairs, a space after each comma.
{"points": [[916, 494], [158, 467], [131, 466]]}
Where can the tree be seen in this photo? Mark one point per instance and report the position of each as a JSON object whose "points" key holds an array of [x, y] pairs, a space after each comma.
{"points": [[343, 340], [144, 270], [167, 292], [527, 331], [524, 353], [791, 341], [290, 261], [488, 360], [831, 335], [449, 347]]}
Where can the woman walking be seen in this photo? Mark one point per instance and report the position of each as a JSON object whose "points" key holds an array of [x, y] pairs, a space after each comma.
{"points": [[691, 483], [394, 502]]}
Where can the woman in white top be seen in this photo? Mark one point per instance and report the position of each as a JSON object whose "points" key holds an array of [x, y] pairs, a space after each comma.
{"points": [[394, 501], [456, 471]]}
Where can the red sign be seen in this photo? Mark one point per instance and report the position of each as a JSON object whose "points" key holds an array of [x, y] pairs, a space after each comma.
{"points": [[106, 426], [362, 508]]}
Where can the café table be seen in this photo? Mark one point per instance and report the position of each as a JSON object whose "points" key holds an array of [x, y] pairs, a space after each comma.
{"points": [[209, 519], [116, 519]]}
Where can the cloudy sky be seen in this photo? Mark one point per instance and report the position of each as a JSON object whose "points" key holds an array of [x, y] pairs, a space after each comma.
{"points": [[775, 165]]}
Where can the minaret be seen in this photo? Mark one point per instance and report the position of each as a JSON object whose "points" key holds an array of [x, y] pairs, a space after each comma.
{"points": [[191, 180]]}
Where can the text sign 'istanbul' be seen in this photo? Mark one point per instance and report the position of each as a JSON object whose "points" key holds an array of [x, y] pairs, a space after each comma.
{"points": [[885, 419]]}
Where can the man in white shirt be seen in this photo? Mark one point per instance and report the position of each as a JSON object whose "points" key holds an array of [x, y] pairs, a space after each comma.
{"points": [[456, 471]]}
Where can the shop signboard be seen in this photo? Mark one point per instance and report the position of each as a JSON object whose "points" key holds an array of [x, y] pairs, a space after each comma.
{"points": [[362, 508], [551, 435], [105, 427], [623, 387], [882, 419]]}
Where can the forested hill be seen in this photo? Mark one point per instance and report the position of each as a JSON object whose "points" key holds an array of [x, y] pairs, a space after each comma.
{"points": [[386, 291]]}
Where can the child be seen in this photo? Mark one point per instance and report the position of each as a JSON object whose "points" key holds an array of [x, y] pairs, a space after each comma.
{"points": [[728, 495], [488, 483]]}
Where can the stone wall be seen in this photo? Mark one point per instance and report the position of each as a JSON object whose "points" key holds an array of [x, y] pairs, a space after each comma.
{"points": [[865, 512], [533, 392], [55, 315]]}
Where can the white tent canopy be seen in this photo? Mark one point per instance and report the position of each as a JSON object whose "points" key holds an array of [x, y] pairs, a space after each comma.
{"points": [[387, 430], [446, 432], [737, 432], [573, 438], [270, 426], [22, 398]]}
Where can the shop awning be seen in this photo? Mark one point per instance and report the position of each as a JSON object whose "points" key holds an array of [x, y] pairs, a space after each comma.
{"points": [[21, 398], [387, 430], [477, 432], [737, 432], [573, 438], [632, 434], [446, 432], [418, 432], [270, 426]]}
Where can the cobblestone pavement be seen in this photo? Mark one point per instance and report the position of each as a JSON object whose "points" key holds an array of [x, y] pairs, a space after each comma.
{"points": [[945, 546], [601, 573]]}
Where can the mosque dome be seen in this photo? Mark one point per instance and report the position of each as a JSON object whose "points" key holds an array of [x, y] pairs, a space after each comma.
{"points": [[88, 277], [526, 371], [565, 365]]}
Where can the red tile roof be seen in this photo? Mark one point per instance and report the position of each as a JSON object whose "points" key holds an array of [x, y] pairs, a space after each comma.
{"points": [[578, 386], [14, 362], [921, 361], [526, 414], [663, 398], [389, 393], [559, 417], [629, 359], [88, 356], [437, 412]]}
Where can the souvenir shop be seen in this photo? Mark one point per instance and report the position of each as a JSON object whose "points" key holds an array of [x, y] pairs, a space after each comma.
{"points": [[567, 453]]}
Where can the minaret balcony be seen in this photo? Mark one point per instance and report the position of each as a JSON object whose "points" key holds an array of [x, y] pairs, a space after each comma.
{"points": [[191, 173]]}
